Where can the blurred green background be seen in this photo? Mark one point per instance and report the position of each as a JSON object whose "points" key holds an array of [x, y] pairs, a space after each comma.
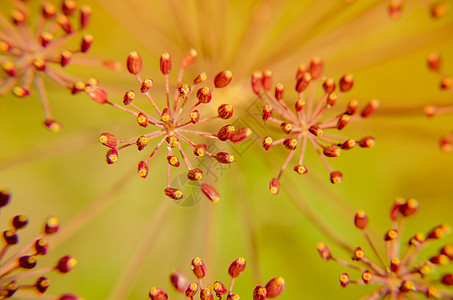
{"points": [[128, 236]]}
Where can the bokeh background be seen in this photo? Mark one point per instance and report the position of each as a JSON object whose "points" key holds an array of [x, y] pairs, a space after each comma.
{"points": [[128, 236]]}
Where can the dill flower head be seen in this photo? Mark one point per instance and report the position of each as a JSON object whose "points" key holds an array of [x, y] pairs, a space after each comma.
{"points": [[434, 62], [172, 124], [33, 45], [400, 275], [306, 123], [181, 283], [17, 269]]}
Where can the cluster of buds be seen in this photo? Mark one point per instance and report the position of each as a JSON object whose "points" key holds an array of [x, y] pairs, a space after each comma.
{"points": [[437, 9], [181, 283], [399, 275], [172, 123], [29, 51], [22, 264], [305, 123], [434, 62]]}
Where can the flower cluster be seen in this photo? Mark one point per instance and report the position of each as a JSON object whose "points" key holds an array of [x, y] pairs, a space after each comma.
{"points": [[180, 282], [400, 275], [21, 264], [305, 124], [33, 46], [434, 62], [437, 9], [172, 123]]}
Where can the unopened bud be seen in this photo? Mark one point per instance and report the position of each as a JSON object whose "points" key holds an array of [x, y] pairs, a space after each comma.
{"points": [[222, 79], [204, 95], [370, 109], [134, 63], [275, 287], [267, 80], [274, 186], [267, 112], [303, 82], [237, 267], [179, 280], [142, 119], [344, 279], [328, 85], [188, 58], [257, 82], [108, 140], [346, 83], [165, 63], [85, 16], [367, 142], [200, 149], [434, 61], [53, 125], [195, 174], [146, 85], [225, 132], [198, 267], [360, 219], [259, 293], [143, 169], [97, 94], [157, 294], [336, 177], [331, 151], [111, 156], [225, 111], [66, 264], [87, 41], [323, 251], [286, 127], [173, 161], [191, 290], [240, 135], [224, 157], [210, 192], [173, 193]]}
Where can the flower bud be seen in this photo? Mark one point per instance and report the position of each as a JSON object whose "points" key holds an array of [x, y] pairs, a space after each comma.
{"points": [[42, 284], [367, 142], [172, 141], [290, 144], [286, 127], [165, 63], [370, 109], [20, 92], [39, 64], [343, 121], [259, 293], [66, 264], [434, 61], [300, 169], [52, 225], [267, 80], [346, 83], [48, 10], [210, 192], [331, 151], [179, 280], [358, 254], [19, 221], [188, 58], [142, 119], [108, 140], [336, 177], [348, 144], [69, 297], [173, 161], [267, 142], [194, 116], [41, 246], [219, 288], [165, 115], [366, 276], [237, 267], [134, 63], [275, 287], [315, 130], [85, 16], [299, 105], [45, 38], [409, 208], [157, 294], [5, 196], [111, 156], [328, 85], [10, 237], [200, 78], [173, 193], [344, 279], [53, 125], [222, 79], [225, 111], [97, 94], [274, 186], [360, 219], [316, 67], [143, 169], [267, 112], [204, 95], [324, 251], [87, 41], [352, 107], [195, 174], [198, 267], [303, 82], [191, 290], [225, 132], [146, 85], [199, 149], [240, 135], [407, 286], [447, 279], [128, 97], [395, 264], [257, 83], [68, 7], [27, 262], [391, 235], [65, 24], [224, 157], [78, 87], [446, 83]]}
